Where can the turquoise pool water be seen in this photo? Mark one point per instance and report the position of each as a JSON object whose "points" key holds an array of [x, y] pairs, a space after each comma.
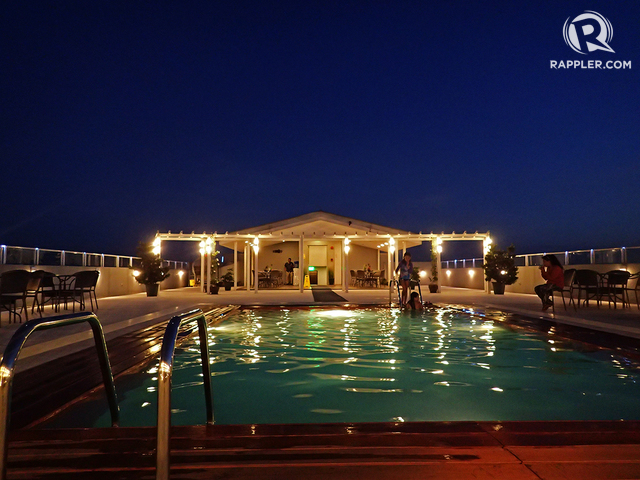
{"points": [[369, 365]]}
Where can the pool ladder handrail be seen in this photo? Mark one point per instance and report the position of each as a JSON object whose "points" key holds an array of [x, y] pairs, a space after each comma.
{"points": [[165, 370], [10, 357]]}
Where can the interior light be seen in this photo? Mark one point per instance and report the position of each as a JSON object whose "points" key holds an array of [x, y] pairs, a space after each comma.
{"points": [[311, 269]]}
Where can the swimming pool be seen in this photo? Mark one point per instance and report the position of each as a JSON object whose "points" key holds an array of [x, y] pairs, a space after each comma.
{"points": [[379, 364]]}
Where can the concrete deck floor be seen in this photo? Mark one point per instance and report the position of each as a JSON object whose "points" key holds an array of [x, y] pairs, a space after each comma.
{"points": [[575, 458]]}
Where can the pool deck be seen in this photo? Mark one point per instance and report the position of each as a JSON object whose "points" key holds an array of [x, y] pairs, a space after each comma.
{"points": [[561, 450]]}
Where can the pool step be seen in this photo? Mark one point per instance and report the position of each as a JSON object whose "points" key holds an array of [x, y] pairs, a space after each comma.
{"points": [[383, 450]]}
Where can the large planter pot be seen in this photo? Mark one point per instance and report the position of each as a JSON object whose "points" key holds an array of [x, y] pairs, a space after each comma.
{"points": [[214, 289], [498, 288], [433, 288], [227, 286], [413, 284], [152, 290]]}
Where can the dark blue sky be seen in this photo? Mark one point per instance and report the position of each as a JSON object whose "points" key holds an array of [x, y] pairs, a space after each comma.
{"points": [[120, 118]]}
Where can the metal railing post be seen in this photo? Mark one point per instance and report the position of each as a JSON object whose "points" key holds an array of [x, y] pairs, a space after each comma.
{"points": [[11, 353], [165, 370]]}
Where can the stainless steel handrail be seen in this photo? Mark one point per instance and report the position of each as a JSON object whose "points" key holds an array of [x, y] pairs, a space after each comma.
{"points": [[7, 367], [164, 384]]}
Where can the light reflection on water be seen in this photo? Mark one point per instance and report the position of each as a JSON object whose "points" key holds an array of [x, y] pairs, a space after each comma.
{"points": [[358, 365]]}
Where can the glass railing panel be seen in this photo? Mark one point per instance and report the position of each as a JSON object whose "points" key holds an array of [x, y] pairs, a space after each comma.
{"points": [[21, 256]]}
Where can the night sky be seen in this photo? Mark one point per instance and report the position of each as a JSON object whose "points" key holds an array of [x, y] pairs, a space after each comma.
{"points": [[120, 118]]}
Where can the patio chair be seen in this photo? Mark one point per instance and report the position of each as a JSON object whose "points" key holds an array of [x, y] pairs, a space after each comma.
{"points": [[615, 287], [276, 278], [352, 277], [569, 276], [13, 288], [635, 281], [588, 281], [48, 291], [360, 277], [85, 283], [33, 288]]}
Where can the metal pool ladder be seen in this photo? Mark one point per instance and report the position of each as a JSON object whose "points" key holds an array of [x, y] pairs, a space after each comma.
{"points": [[7, 367], [165, 370]]}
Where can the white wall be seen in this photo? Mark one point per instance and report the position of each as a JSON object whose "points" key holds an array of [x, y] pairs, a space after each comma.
{"points": [[113, 281], [528, 277]]}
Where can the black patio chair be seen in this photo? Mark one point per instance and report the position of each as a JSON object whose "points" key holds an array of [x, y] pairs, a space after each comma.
{"points": [[33, 289], [13, 288], [569, 276], [588, 281], [352, 277], [48, 291], [615, 287], [85, 283]]}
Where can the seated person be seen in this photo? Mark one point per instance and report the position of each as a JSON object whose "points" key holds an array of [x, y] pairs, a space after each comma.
{"points": [[552, 271], [414, 302]]}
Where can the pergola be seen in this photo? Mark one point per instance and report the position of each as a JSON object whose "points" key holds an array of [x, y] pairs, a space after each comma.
{"points": [[315, 226]]}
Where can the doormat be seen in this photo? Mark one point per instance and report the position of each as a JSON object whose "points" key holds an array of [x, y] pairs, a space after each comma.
{"points": [[325, 294]]}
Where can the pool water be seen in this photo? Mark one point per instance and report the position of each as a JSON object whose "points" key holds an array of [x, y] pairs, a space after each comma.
{"points": [[378, 365]]}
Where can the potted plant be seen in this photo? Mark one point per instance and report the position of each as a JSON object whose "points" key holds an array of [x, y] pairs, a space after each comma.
{"points": [[500, 268], [150, 272], [433, 279], [227, 279], [415, 278]]}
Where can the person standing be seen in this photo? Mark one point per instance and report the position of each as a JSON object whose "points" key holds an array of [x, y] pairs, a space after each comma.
{"points": [[288, 268], [406, 269], [552, 271]]}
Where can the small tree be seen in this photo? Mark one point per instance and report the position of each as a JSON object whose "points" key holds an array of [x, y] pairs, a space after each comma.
{"points": [[151, 269], [499, 265], [434, 266]]}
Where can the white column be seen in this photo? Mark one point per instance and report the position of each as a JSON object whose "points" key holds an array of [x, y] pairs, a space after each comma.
{"points": [[439, 262], [346, 266], [235, 265], [301, 262], [202, 270], [389, 275], [247, 266], [208, 290], [378, 260], [255, 270], [344, 273]]}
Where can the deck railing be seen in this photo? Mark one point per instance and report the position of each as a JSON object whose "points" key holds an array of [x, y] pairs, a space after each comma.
{"points": [[10, 255], [10, 357], [165, 372], [618, 255]]}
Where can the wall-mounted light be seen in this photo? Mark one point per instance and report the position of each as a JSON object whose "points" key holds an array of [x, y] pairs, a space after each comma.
{"points": [[136, 273], [256, 245], [346, 245], [180, 273], [422, 273], [448, 272], [471, 273], [392, 245]]}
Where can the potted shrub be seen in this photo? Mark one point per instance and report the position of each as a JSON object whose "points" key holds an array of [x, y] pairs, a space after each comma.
{"points": [[415, 278], [500, 268], [433, 279], [150, 272], [227, 279]]}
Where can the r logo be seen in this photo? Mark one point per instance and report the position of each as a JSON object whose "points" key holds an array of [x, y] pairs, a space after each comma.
{"points": [[588, 32]]}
